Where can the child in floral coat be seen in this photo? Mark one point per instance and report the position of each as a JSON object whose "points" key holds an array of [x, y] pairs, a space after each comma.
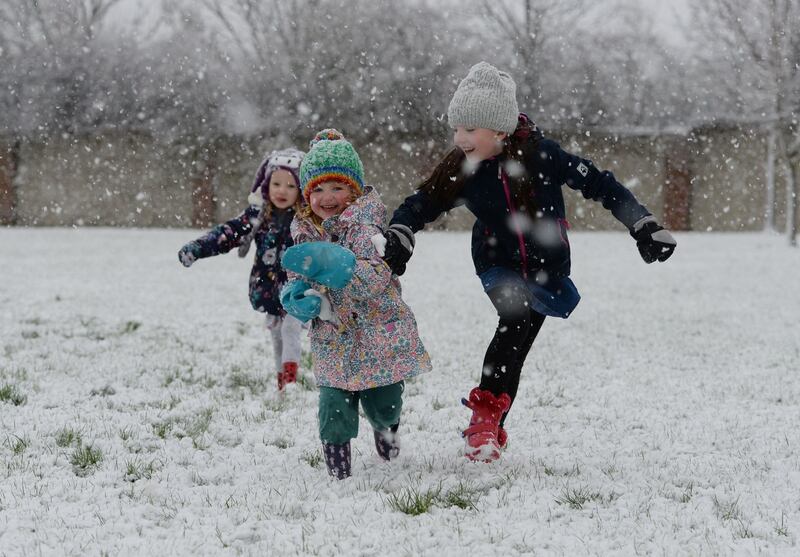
{"points": [[364, 338], [274, 200]]}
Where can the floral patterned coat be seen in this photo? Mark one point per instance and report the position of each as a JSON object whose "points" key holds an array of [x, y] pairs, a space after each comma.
{"points": [[377, 342]]}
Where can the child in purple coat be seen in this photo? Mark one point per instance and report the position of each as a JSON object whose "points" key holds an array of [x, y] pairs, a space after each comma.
{"points": [[274, 200]]}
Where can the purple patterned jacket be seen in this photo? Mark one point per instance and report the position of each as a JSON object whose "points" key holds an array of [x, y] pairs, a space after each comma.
{"points": [[271, 238]]}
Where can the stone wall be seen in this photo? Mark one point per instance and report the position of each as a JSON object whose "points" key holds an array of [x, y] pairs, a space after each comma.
{"points": [[128, 179]]}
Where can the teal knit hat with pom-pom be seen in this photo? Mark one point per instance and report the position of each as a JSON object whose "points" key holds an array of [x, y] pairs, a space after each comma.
{"points": [[331, 157]]}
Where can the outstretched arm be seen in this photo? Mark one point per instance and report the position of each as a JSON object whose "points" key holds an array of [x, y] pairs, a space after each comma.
{"points": [[411, 216], [222, 238], [582, 175], [653, 241]]}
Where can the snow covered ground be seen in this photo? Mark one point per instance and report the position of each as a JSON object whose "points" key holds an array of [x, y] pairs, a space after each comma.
{"points": [[138, 413]]}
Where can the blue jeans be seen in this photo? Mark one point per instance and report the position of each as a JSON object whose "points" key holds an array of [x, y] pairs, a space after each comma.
{"points": [[557, 298]]}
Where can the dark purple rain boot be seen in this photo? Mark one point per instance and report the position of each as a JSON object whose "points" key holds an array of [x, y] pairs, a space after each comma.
{"points": [[337, 459], [387, 443]]}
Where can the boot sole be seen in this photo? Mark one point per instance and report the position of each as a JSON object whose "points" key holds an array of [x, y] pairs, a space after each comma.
{"points": [[484, 453]]}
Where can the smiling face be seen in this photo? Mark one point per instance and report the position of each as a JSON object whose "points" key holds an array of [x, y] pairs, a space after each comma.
{"points": [[478, 144], [283, 190], [330, 198]]}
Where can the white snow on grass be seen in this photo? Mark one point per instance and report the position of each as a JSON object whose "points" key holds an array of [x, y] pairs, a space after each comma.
{"points": [[139, 412]]}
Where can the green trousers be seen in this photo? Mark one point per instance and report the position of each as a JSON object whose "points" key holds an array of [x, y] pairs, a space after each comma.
{"points": [[338, 411]]}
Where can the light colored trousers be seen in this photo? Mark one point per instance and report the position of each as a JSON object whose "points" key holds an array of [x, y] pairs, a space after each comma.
{"points": [[285, 333]]}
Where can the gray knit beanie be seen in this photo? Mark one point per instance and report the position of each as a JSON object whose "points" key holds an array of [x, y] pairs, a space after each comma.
{"points": [[486, 98]]}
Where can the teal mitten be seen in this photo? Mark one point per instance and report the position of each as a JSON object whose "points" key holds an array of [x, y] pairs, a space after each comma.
{"points": [[297, 303], [323, 262]]}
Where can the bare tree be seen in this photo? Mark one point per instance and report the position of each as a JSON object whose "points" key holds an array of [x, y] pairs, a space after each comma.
{"points": [[530, 29], [579, 66], [55, 49], [756, 58], [361, 65]]}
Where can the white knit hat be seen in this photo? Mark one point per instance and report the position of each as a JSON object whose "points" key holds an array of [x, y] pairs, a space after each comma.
{"points": [[486, 98]]}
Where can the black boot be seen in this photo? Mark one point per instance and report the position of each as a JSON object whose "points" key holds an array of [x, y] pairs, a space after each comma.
{"points": [[337, 459], [386, 442]]}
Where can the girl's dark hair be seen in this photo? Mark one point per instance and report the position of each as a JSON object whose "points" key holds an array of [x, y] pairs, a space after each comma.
{"points": [[448, 178]]}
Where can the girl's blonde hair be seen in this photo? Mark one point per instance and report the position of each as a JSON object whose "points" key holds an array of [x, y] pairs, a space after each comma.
{"points": [[306, 213]]}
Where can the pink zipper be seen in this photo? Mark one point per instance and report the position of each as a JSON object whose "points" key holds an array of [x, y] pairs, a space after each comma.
{"points": [[522, 251], [561, 231]]}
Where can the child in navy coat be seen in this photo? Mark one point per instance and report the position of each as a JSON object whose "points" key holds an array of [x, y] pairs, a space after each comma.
{"points": [[510, 177]]}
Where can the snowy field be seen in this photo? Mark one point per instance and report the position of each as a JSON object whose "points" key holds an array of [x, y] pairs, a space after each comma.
{"points": [[139, 415]]}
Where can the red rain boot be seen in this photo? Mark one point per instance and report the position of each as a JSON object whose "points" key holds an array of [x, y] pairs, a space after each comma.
{"points": [[502, 437], [481, 435], [288, 375]]}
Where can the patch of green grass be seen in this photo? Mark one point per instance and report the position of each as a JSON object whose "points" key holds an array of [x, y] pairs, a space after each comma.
{"points": [[183, 372], [462, 496], [161, 429], [85, 459], [19, 444], [136, 470], [727, 511], [278, 404], [743, 530], [413, 502], [577, 497], [129, 327], [87, 321], [688, 493], [312, 458], [552, 470], [306, 382], [66, 437], [240, 380], [126, 433], [780, 528], [610, 470], [281, 443], [106, 390], [192, 427], [222, 541], [199, 424], [172, 403], [170, 378], [11, 394]]}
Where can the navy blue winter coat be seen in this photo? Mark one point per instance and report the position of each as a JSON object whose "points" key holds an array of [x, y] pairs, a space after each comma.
{"points": [[504, 236], [271, 238]]}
